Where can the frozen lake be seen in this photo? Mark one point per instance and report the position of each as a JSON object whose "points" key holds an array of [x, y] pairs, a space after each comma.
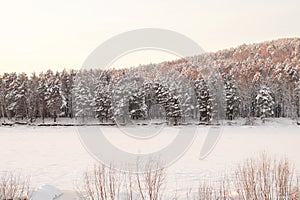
{"points": [[55, 155]]}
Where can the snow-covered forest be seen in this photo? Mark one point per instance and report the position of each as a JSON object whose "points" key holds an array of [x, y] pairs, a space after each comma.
{"points": [[257, 80]]}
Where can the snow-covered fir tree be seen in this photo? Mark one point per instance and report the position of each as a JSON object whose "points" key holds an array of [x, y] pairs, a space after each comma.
{"points": [[42, 89], [265, 103], [232, 98], [11, 85], [173, 109], [54, 100], [33, 100], [2, 98], [21, 96], [66, 92], [217, 92], [128, 98], [204, 100], [103, 102], [82, 99]]}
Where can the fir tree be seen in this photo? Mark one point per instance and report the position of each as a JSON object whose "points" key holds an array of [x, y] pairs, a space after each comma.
{"points": [[103, 102], [204, 100], [173, 109], [54, 101], [232, 98], [265, 103], [82, 98]]}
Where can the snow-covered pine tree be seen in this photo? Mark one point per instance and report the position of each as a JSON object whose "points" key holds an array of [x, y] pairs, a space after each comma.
{"points": [[103, 102], [82, 99], [128, 100], [204, 100], [2, 97], [42, 89], [162, 93], [21, 96], [217, 92], [54, 101], [297, 99], [265, 103], [149, 95], [33, 100], [182, 87], [137, 106], [173, 110], [66, 92], [11, 85], [232, 98]]}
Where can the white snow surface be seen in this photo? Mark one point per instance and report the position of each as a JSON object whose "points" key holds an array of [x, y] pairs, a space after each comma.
{"points": [[46, 192], [55, 155]]}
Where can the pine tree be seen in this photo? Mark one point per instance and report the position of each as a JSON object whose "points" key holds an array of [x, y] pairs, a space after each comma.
{"points": [[232, 98], [2, 97], [128, 100], [66, 92], [54, 101], [82, 98], [297, 99], [218, 97], [161, 97], [33, 100], [21, 96], [42, 89], [103, 101], [204, 100], [173, 109], [265, 103], [10, 94]]}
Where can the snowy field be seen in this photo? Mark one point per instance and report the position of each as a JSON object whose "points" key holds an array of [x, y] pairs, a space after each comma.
{"points": [[55, 155]]}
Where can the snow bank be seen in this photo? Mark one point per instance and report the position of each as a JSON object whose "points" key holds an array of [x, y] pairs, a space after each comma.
{"points": [[46, 192]]}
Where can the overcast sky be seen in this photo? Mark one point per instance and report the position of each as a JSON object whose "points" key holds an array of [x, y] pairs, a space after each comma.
{"points": [[36, 35]]}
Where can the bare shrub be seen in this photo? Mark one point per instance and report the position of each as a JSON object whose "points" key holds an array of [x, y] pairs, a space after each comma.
{"points": [[106, 183], [266, 178], [14, 187], [100, 184], [262, 178], [220, 191], [151, 182]]}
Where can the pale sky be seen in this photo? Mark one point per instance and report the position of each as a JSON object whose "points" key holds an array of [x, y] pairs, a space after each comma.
{"points": [[36, 35]]}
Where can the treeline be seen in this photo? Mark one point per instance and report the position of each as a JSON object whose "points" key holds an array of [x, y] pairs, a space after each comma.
{"points": [[259, 80]]}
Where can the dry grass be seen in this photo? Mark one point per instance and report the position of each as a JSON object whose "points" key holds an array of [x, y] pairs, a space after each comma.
{"points": [[151, 182], [262, 178], [14, 187], [266, 178], [102, 183]]}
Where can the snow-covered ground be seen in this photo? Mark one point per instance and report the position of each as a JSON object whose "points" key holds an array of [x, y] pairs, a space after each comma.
{"points": [[55, 155]]}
